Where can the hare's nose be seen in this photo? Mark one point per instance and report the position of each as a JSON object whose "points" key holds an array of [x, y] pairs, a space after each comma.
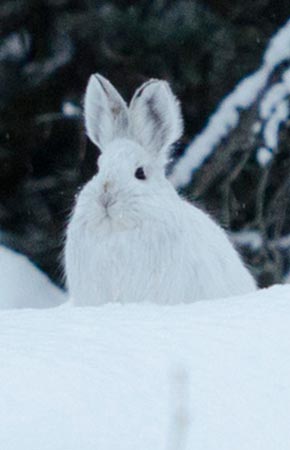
{"points": [[106, 186]]}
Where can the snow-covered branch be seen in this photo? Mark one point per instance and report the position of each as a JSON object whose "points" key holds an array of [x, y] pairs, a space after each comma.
{"points": [[239, 165], [273, 109]]}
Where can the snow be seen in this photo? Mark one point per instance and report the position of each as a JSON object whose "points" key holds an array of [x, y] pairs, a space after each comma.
{"points": [[279, 47], [253, 239], [70, 109], [15, 46], [22, 285], [248, 238], [284, 242], [274, 110], [264, 156], [210, 375], [227, 115], [271, 132], [271, 99]]}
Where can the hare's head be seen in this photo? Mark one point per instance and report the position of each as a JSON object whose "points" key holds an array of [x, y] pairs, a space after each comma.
{"points": [[135, 143]]}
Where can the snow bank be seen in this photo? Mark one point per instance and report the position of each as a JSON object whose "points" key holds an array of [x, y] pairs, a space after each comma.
{"points": [[22, 285], [211, 375], [243, 96]]}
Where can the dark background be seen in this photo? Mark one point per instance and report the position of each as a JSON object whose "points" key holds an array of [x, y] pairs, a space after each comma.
{"points": [[203, 48]]}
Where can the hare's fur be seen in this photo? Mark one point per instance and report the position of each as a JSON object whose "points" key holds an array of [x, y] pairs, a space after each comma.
{"points": [[136, 240]]}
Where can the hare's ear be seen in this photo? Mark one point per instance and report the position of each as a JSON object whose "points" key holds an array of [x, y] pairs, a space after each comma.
{"points": [[106, 113], [155, 117]]}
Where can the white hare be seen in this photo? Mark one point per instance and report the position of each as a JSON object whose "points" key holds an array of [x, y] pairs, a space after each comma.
{"points": [[131, 238]]}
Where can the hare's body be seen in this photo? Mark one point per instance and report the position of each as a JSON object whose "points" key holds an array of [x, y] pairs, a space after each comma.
{"points": [[132, 238], [153, 261]]}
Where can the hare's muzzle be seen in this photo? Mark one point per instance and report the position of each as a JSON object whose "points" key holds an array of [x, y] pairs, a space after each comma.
{"points": [[106, 199]]}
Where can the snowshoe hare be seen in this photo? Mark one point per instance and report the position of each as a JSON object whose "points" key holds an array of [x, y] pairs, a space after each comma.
{"points": [[131, 238]]}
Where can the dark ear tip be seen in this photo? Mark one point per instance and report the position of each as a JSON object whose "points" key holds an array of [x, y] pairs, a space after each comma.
{"points": [[101, 80], [144, 86], [98, 76], [162, 84]]}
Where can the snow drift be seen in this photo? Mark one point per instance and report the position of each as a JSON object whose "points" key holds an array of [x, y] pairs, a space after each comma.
{"points": [[211, 375], [22, 285]]}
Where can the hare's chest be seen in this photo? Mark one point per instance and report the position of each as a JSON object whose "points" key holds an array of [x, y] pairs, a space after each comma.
{"points": [[130, 267], [126, 267]]}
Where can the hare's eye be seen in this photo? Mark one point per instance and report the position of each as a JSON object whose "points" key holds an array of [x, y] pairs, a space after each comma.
{"points": [[140, 174]]}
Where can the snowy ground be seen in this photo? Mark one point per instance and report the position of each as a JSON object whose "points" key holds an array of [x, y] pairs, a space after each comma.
{"points": [[208, 376], [22, 285]]}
